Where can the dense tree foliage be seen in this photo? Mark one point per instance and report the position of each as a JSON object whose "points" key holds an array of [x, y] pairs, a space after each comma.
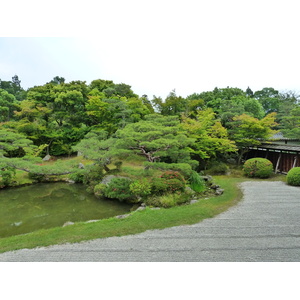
{"points": [[106, 120]]}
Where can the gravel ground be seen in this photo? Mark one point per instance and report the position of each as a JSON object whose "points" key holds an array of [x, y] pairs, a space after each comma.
{"points": [[264, 226]]}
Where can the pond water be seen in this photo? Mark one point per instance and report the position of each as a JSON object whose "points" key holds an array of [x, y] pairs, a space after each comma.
{"points": [[45, 205]]}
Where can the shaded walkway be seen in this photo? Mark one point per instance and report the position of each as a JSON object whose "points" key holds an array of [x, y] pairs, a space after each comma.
{"points": [[264, 226]]}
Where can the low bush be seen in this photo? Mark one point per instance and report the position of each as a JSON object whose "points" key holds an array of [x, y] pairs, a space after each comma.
{"points": [[169, 181], [293, 176], [37, 177], [78, 176], [99, 189], [119, 188], [258, 167], [93, 174], [168, 200], [197, 183], [140, 188], [218, 169], [7, 176], [183, 168]]}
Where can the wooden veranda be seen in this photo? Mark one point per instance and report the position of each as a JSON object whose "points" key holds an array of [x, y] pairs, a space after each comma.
{"points": [[283, 156]]}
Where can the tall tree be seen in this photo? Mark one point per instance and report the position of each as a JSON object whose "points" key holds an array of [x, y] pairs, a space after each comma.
{"points": [[247, 131]]}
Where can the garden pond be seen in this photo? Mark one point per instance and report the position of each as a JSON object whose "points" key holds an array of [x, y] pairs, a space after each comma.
{"points": [[45, 205]]}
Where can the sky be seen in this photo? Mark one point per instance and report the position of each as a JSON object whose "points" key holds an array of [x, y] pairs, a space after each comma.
{"points": [[153, 46]]}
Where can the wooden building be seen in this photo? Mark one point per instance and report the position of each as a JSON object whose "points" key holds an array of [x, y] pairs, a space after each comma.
{"points": [[282, 152]]}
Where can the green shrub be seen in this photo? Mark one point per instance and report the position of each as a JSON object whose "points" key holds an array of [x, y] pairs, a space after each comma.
{"points": [[219, 168], [99, 189], [78, 176], [140, 188], [293, 176], [7, 176], [169, 181], [158, 186], [197, 183], [167, 200], [93, 174], [119, 188], [37, 177], [258, 167], [183, 168]]}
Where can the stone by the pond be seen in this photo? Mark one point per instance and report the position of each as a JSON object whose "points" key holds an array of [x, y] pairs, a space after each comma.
{"points": [[219, 191], [47, 157], [17, 223], [107, 179], [207, 178], [141, 208], [68, 223], [193, 201], [91, 221], [122, 216], [215, 186], [81, 166]]}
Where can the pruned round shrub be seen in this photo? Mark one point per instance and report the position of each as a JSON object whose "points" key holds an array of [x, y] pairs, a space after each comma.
{"points": [[169, 181], [258, 167], [219, 168], [141, 187], [118, 188], [293, 176]]}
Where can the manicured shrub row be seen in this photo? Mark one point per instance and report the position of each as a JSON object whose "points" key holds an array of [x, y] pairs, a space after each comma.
{"points": [[258, 167], [293, 176]]}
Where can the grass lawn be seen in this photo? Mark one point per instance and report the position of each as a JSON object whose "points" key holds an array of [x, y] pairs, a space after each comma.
{"points": [[137, 222]]}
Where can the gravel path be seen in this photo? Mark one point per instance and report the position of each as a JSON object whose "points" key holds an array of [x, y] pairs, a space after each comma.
{"points": [[264, 226]]}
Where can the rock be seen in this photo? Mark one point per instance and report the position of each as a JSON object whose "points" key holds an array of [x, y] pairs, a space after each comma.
{"points": [[47, 157], [155, 208], [107, 179], [141, 208], [143, 205], [122, 216], [207, 178], [189, 191], [70, 181], [219, 191], [68, 223], [81, 166], [215, 187], [91, 221], [17, 223], [193, 201]]}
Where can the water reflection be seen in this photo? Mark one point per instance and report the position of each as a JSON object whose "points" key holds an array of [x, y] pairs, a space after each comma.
{"points": [[47, 205]]}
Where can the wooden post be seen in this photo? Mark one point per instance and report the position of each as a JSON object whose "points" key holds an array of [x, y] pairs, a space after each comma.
{"points": [[295, 161], [277, 164]]}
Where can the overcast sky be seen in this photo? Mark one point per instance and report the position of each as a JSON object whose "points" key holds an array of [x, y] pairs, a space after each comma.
{"points": [[154, 46]]}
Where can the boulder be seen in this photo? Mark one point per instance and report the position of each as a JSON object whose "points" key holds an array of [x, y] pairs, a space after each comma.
{"points": [[81, 166], [215, 187], [141, 208], [219, 191], [122, 216], [47, 157], [193, 201], [108, 178], [68, 224]]}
